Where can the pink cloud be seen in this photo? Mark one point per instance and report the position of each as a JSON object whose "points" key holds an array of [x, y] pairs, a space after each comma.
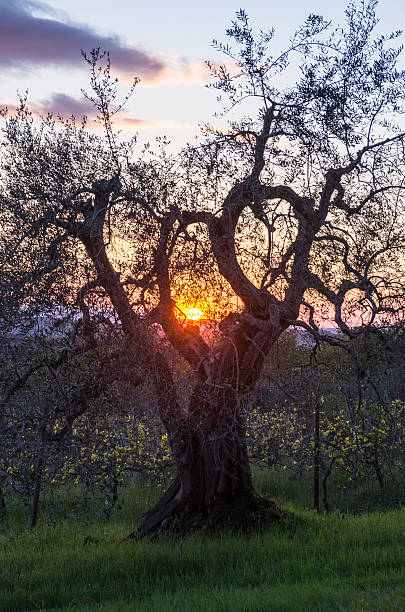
{"points": [[179, 70]]}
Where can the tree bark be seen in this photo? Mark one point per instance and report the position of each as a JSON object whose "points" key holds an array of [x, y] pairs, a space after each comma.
{"points": [[213, 486]]}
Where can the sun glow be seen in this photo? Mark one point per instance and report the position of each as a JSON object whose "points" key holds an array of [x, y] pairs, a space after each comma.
{"points": [[193, 314]]}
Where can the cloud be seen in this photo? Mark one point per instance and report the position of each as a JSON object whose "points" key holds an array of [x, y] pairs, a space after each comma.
{"points": [[32, 33], [181, 71], [65, 105], [7, 107], [61, 104]]}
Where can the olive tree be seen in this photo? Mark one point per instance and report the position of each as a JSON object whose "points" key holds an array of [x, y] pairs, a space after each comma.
{"points": [[295, 212]]}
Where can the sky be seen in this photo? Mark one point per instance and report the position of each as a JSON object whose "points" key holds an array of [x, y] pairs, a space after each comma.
{"points": [[163, 43]]}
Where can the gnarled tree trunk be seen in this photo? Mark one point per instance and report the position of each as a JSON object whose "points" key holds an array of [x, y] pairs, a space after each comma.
{"points": [[213, 486]]}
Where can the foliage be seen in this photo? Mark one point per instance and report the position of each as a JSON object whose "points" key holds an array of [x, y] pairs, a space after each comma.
{"points": [[369, 447], [112, 443], [66, 424]]}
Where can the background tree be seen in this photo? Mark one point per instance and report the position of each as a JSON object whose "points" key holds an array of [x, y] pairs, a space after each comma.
{"points": [[297, 210]]}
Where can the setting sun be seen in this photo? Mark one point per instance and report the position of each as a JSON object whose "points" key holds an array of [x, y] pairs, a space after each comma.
{"points": [[193, 314]]}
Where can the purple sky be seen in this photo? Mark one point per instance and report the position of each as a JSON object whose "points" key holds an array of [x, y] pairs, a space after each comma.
{"points": [[163, 43]]}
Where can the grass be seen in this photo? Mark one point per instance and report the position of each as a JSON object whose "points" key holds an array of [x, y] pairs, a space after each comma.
{"points": [[347, 497], [308, 562]]}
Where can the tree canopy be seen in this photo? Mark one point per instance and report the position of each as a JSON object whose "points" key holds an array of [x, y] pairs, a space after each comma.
{"points": [[296, 212]]}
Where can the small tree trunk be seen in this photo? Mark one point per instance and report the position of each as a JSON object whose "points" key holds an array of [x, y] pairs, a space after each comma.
{"points": [[2, 505], [326, 475], [378, 471], [36, 491], [317, 457]]}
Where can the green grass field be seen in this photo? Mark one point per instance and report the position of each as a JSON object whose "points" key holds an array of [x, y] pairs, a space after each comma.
{"points": [[308, 562]]}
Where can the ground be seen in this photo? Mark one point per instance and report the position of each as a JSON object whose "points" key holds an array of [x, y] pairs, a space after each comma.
{"points": [[304, 562]]}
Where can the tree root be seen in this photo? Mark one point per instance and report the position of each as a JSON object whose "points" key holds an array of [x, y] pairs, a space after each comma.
{"points": [[244, 514]]}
